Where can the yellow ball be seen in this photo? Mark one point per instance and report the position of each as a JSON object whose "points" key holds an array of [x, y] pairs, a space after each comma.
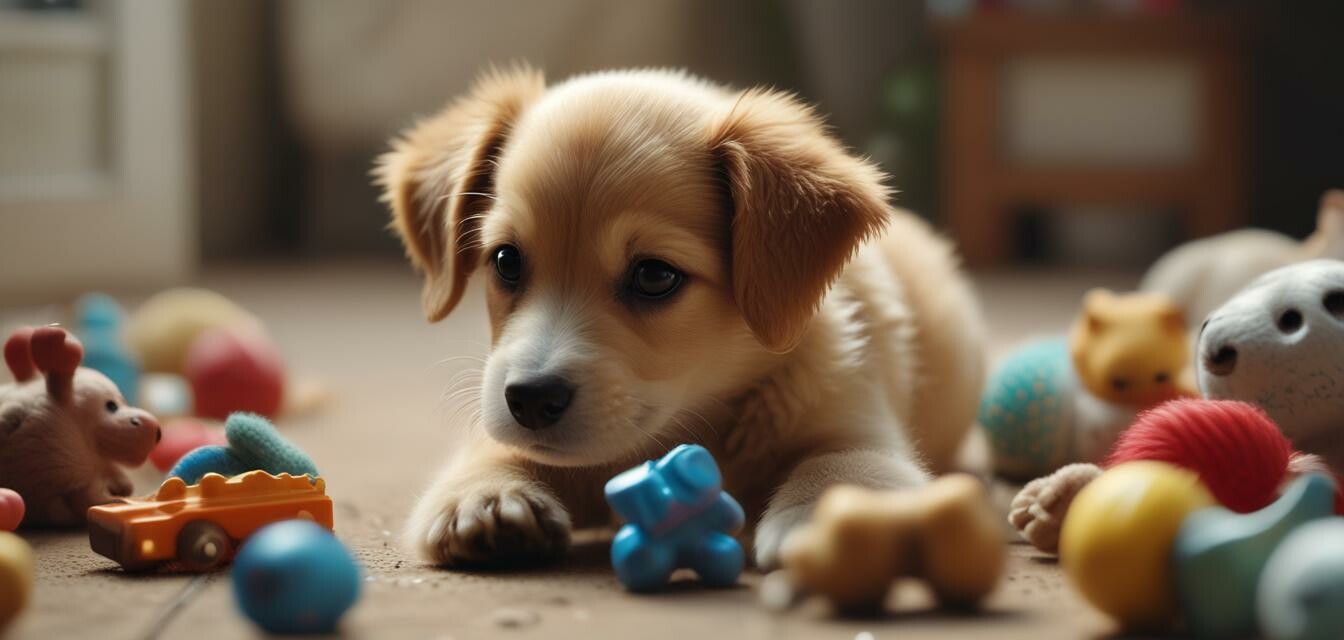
{"points": [[164, 327], [1116, 542], [16, 576]]}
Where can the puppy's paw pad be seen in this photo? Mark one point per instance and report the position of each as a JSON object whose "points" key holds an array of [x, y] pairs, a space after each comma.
{"points": [[509, 526]]}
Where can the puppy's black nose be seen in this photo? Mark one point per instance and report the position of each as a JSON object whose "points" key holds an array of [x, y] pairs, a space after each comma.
{"points": [[539, 403]]}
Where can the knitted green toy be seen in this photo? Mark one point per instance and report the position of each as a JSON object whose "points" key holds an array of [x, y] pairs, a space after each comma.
{"points": [[253, 444]]}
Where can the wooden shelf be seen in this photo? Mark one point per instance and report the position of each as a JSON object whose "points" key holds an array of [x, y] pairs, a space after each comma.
{"points": [[1076, 32]]}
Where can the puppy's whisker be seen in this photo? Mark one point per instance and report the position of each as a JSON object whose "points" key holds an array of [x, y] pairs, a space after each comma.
{"points": [[647, 433], [446, 361]]}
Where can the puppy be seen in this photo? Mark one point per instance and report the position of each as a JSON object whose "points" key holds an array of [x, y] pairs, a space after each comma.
{"points": [[668, 261]]}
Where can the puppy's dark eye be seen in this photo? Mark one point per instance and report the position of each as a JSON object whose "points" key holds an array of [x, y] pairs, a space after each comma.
{"points": [[111, 406], [655, 279], [509, 264]]}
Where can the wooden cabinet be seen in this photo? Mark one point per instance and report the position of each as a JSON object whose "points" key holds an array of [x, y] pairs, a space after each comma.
{"points": [[984, 181]]}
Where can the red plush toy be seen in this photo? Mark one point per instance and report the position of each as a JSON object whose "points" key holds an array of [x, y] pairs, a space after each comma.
{"points": [[235, 370], [1238, 451], [11, 509], [181, 437]]}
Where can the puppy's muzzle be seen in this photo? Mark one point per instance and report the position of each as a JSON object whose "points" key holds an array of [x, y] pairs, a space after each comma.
{"points": [[540, 402]]}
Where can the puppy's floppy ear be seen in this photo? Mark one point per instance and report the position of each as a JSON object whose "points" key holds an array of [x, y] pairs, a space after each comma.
{"points": [[801, 206], [438, 180]]}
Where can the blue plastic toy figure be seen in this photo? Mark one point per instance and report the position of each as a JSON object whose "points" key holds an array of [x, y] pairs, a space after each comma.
{"points": [[679, 516], [98, 323]]}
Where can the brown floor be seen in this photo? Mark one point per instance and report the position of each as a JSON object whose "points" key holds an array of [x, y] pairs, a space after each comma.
{"points": [[359, 330]]}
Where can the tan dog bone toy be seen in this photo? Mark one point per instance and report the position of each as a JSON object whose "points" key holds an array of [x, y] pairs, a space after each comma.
{"points": [[859, 541]]}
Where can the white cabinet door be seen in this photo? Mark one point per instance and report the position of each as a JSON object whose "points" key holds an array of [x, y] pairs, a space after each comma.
{"points": [[95, 165]]}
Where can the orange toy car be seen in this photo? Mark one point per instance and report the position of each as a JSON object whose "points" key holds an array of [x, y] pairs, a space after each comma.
{"points": [[199, 525]]}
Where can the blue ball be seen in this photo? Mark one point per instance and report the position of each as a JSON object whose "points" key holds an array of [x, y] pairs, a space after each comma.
{"points": [[1027, 410], [295, 577]]}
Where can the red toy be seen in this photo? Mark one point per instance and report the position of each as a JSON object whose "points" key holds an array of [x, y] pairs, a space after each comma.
{"points": [[11, 509], [235, 370], [181, 437], [1238, 452]]}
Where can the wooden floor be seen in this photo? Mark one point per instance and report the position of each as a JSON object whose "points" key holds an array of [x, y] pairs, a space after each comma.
{"points": [[358, 329]]}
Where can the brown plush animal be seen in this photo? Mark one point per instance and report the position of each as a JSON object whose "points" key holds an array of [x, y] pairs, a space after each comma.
{"points": [[65, 429]]}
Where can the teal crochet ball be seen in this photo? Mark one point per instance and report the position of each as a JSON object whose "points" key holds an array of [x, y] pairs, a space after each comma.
{"points": [[254, 444], [1027, 410]]}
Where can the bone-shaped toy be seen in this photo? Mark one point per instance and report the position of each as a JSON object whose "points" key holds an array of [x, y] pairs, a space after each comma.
{"points": [[860, 541], [678, 516]]}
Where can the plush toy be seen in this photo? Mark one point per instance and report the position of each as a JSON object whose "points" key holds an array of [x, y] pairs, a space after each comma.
{"points": [[164, 327], [253, 443], [678, 516], [1053, 403], [860, 541], [1233, 447], [235, 370], [1279, 344], [295, 577], [64, 430], [1219, 555], [1301, 591], [182, 436], [1131, 349], [1116, 542], [16, 577], [11, 510], [1203, 274], [98, 323]]}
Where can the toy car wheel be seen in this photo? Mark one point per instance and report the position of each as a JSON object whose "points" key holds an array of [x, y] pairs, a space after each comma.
{"points": [[202, 546]]}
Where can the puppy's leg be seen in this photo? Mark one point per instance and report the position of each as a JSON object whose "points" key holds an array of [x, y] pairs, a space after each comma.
{"points": [[792, 503], [489, 511]]}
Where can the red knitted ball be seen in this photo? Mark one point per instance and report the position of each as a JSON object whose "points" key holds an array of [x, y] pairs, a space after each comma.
{"points": [[1237, 450]]}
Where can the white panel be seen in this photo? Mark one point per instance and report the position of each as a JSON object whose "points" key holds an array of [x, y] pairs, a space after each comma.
{"points": [[130, 224], [52, 106], [1099, 111]]}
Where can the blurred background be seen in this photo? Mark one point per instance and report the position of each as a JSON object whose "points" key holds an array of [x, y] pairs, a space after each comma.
{"points": [[143, 141]]}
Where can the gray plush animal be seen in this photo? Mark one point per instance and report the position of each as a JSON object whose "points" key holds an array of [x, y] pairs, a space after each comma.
{"points": [[1202, 274], [1279, 343], [65, 429]]}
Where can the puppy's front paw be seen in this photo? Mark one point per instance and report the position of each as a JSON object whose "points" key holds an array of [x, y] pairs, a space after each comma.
{"points": [[511, 523], [775, 526]]}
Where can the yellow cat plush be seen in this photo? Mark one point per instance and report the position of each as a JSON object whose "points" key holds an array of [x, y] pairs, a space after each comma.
{"points": [[1131, 349]]}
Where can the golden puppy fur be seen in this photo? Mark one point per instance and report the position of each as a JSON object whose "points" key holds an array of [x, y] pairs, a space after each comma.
{"points": [[817, 335]]}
